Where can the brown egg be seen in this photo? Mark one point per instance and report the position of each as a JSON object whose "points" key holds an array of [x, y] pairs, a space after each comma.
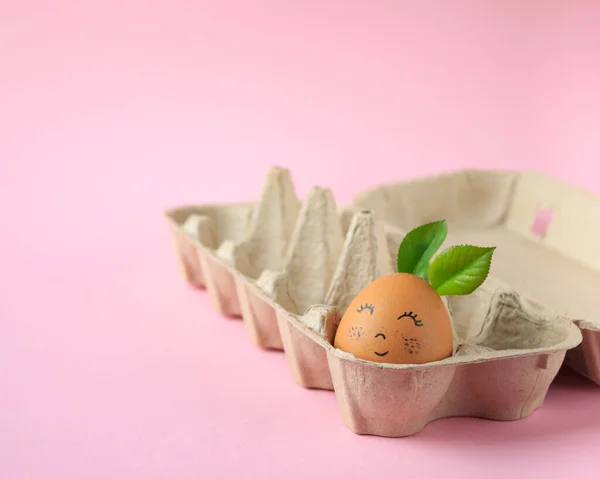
{"points": [[400, 319]]}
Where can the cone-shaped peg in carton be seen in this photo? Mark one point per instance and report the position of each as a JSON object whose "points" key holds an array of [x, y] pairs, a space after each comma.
{"points": [[364, 258], [271, 225], [263, 252], [314, 251]]}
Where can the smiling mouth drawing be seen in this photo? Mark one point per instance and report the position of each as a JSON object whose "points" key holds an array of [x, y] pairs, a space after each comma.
{"points": [[381, 354]]}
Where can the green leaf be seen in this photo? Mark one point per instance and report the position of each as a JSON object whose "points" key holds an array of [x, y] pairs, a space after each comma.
{"points": [[460, 270], [419, 246]]}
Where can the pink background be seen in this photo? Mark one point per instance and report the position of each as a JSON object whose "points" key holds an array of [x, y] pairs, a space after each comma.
{"points": [[109, 365]]}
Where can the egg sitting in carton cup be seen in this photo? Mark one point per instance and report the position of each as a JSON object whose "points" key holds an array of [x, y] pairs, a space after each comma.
{"points": [[401, 318], [400, 345]]}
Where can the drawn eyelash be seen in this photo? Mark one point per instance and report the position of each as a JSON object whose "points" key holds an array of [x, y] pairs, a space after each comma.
{"points": [[367, 306], [412, 316]]}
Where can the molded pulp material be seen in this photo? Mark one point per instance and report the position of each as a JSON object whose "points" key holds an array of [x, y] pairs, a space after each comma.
{"points": [[558, 267], [291, 268]]}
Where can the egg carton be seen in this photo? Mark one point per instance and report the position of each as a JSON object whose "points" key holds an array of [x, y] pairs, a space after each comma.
{"points": [[290, 268], [546, 232]]}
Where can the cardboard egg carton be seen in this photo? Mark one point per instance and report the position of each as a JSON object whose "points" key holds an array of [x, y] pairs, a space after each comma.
{"points": [[546, 232], [290, 268]]}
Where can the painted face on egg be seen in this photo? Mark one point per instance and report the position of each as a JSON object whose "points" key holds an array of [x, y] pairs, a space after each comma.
{"points": [[397, 319]]}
